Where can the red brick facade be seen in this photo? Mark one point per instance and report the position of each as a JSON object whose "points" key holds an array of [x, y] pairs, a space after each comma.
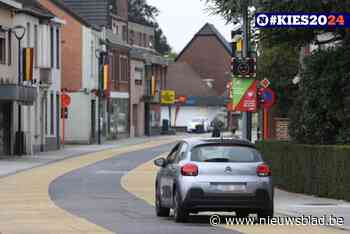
{"points": [[120, 72], [122, 9], [71, 48], [209, 58]]}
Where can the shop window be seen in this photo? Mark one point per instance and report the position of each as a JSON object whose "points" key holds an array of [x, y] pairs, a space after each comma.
{"points": [[123, 68]]}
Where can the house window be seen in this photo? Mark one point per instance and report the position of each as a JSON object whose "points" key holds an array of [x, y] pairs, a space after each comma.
{"points": [[140, 39], [131, 37], [9, 58], [36, 45], [125, 32], [2, 48], [57, 48], [52, 48], [52, 115], [138, 75], [144, 40], [28, 35], [151, 42], [123, 68]]}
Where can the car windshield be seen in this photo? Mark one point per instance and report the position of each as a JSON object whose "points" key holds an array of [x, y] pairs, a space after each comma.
{"points": [[217, 153]]}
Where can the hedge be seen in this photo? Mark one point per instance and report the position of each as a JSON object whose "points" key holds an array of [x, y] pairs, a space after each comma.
{"points": [[323, 171]]}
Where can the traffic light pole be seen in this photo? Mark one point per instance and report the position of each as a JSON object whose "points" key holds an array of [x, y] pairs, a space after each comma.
{"points": [[247, 116], [100, 90]]}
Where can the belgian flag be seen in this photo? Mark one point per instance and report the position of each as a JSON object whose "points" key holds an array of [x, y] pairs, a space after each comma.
{"points": [[28, 61], [105, 77], [153, 86]]}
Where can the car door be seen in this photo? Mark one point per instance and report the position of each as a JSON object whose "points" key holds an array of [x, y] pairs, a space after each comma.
{"points": [[174, 168], [166, 177]]}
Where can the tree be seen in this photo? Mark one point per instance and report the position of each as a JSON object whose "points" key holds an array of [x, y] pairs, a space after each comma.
{"points": [[160, 41], [280, 65], [319, 115], [143, 13]]}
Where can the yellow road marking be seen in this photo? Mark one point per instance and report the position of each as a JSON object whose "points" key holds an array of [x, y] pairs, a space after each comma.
{"points": [[25, 204], [144, 189]]}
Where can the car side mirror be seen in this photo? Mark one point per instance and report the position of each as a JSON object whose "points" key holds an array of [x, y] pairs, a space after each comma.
{"points": [[160, 162]]}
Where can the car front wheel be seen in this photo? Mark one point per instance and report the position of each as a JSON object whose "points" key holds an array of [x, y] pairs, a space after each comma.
{"points": [[180, 213]]}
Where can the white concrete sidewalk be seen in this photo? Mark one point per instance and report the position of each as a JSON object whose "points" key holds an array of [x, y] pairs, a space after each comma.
{"points": [[13, 164], [293, 204]]}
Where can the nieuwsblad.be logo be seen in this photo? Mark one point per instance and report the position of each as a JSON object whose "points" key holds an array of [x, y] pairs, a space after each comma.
{"points": [[302, 20]]}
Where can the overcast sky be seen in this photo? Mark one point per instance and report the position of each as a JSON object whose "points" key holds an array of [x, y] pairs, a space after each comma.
{"points": [[181, 19]]}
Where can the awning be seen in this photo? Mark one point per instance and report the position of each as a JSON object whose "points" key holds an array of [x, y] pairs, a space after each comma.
{"points": [[23, 94]]}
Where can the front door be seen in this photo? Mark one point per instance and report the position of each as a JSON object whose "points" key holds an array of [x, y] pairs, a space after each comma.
{"points": [[135, 119], [5, 129]]}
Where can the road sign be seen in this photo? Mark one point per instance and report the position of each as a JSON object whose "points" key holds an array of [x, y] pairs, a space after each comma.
{"points": [[66, 100], [244, 95], [182, 99], [168, 97], [269, 98], [265, 83]]}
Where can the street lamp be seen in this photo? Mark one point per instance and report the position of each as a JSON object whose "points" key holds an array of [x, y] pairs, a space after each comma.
{"points": [[19, 32], [100, 55]]}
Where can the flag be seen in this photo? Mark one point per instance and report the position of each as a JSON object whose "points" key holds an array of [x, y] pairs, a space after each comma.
{"points": [[28, 59], [105, 77]]}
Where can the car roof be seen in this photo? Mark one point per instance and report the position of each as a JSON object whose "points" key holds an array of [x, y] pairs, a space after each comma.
{"points": [[215, 141]]}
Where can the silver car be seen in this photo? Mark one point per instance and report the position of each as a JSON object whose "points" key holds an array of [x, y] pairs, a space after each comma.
{"points": [[213, 175]]}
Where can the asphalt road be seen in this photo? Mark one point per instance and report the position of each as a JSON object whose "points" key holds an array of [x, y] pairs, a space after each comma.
{"points": [[95, 193]]}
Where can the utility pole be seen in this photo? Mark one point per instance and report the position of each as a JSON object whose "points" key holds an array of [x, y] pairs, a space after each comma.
{"points": [[100, 95], [247, 116], [19, 32]]}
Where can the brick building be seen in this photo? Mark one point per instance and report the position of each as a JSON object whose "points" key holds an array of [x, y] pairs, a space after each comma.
{"points": [[145, 64], [80, 42], [205, 61], [112, 18]]}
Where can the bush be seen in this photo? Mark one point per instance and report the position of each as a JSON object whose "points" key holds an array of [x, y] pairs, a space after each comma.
{"points": [[316, 170]]}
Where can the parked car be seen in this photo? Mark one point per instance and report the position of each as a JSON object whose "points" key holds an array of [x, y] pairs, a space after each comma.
{"points": [[199, 124], [213, 175]]}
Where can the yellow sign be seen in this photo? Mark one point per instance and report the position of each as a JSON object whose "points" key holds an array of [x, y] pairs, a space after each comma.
{"points": [[168, 97]]}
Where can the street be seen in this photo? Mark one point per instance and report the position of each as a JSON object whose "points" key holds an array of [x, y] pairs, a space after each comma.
{"points": [[107, 192]]}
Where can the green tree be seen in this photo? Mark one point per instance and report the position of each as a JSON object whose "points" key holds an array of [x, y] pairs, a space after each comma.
{"points": [[141, 12], [319, 115], [280, 65], [161, 42]]}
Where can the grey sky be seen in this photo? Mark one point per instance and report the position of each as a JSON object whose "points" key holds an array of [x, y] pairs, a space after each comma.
{"points": [[181, 19]]}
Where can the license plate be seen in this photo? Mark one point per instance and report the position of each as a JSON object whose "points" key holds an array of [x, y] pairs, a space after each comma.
{"points": [[230, 188]]}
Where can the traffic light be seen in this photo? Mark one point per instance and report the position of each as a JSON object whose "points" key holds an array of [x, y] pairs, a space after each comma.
{"points": [[243, 68]]}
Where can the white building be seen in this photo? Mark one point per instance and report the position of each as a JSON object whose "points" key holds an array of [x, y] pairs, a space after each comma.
{"points": [[81, 47], [38, 99]]}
